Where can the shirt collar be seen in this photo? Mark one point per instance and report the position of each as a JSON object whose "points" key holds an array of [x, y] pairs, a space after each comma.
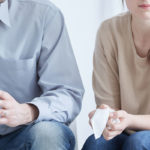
{"points": [[4, 13]]}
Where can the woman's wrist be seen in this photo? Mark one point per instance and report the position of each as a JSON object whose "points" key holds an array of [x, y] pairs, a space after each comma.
{"points": [[130, 121]]}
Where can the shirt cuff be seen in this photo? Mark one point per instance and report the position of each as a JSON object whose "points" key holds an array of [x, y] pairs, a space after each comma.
{"points": [[43, 111]]}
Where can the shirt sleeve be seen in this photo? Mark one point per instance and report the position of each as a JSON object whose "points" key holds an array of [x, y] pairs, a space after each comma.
{"points": [[105, 72], [59, 78]]}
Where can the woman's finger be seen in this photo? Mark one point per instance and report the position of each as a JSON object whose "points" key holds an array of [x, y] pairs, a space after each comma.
{"points": [[91, 114], [119, 114], [103, 106], [109, 134]]}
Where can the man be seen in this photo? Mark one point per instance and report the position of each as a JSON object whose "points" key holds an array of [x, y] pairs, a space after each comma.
{"points": [[41, 89]]}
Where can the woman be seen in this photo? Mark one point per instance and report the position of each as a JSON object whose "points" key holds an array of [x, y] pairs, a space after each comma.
{"points": [[121, 79]]}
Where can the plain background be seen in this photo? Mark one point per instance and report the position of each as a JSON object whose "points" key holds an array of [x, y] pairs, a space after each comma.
{"points": [[83, 17]]}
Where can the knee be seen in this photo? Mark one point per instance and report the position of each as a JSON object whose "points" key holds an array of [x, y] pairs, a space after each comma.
{"points": [[135, 141], [90, 140], [90, 143], [52, 134], [93, 144], [46, 130]]}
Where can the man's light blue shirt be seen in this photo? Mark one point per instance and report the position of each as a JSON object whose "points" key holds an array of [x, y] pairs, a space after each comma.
{"points": [[37, 64]]}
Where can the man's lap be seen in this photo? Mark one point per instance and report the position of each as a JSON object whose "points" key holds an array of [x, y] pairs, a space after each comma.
{"points": [[45, 135]]}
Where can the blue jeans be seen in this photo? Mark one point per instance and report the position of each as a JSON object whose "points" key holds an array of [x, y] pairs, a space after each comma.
{"points": [[45, 135], [137, 141]]}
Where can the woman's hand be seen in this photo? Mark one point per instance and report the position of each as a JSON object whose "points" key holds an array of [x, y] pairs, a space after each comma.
{"points": [[13, 113], [91, 114], [114, 129]]}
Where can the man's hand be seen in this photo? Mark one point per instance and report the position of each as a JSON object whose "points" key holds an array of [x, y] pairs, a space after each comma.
{"points": [[13, 113], [116, 128]]}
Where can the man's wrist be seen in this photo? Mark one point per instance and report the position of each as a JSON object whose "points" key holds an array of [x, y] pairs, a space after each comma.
{"points": [[32, 112]]}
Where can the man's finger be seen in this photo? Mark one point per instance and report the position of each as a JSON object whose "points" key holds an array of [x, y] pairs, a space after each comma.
{"points": [[4, 104], [4, 95], [3, 113], [3, 120]]}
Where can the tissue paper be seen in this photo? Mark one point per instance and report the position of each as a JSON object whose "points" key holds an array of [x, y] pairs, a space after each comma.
{"points": [[99, 121]]}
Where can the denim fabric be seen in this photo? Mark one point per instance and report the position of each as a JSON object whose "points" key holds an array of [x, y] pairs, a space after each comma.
{"points": [[45, 135], [137, 141]]}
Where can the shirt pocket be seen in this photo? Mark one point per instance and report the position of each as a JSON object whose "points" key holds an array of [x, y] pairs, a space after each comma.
{"points": [[17, 64], [19, 78]]}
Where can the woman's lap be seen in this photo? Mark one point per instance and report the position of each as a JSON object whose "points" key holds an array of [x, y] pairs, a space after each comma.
{"points": [[137, 141]]}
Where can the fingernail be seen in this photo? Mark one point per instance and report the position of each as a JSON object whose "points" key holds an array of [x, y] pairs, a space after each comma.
{"points": [[111, 114]]}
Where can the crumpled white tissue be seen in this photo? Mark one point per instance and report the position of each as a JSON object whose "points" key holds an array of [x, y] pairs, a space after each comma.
{"points": [[99, 121]]}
